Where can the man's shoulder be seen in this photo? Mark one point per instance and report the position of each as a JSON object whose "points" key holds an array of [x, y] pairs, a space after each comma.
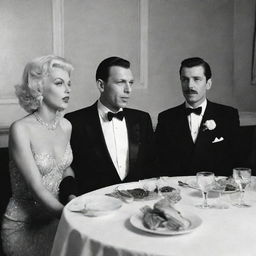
{"points": [[137, 116], [222, 108], [172, 111], [136, 112], [80, 113]]}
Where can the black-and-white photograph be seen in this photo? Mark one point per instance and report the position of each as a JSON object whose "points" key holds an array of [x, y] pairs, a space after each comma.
{"points": [[128, 127]]}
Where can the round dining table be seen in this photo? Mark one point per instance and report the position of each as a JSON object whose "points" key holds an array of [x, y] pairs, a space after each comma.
{"points": [[224, 232]]}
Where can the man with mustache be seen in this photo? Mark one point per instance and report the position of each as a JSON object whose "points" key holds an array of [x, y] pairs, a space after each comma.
{"points": [[198, 135], [111, 143]]}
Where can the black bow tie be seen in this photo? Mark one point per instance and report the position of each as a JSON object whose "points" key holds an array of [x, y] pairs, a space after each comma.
{"points": [[119, 115], [196, 111]]}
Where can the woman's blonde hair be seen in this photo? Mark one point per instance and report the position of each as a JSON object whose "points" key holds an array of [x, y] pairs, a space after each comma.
{"points": [[29, 92]]}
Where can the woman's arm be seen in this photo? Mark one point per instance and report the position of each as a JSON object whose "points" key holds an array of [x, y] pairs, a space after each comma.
{"points": [[68, 172], [68, 186], [20, 150]]}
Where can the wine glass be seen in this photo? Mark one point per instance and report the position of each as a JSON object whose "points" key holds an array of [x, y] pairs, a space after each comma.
{"points": [[242, 177], [205, 181]]}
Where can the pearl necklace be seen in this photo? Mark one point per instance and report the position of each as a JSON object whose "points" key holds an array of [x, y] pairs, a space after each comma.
{"points": [[48, 126]]}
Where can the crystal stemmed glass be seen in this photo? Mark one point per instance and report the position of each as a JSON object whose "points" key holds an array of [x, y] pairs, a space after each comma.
{"points": [[242, 177], [205, 181]]}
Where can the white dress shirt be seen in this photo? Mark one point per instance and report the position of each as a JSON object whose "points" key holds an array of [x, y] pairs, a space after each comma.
{"points": [[195, 120], [116, 138]]}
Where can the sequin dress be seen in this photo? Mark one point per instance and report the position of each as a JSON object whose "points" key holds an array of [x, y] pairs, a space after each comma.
{"points": [[27, 229]]}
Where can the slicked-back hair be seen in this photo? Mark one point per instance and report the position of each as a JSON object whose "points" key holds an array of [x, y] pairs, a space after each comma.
{"points": [[196, 61], [102, 71]]}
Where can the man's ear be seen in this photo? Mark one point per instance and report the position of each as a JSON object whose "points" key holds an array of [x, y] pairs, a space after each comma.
{"points": [[209, 84], [100, 85]]}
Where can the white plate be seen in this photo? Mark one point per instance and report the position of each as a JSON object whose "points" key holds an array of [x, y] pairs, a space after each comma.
{"points": [[76, 205], [137, 185], [94, 205], [130, 185], [195, 222], [225, 192]]}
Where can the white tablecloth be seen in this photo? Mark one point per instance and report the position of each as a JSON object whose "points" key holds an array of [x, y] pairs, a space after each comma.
{"points": [[223, 232]]}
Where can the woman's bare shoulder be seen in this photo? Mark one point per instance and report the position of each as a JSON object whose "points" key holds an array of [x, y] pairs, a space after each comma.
{"points": [[22, 124], [65, 124], [20, 129]]}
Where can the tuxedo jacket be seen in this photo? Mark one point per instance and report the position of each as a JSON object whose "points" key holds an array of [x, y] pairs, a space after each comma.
{"points": [[214, 150], [92, 163]]}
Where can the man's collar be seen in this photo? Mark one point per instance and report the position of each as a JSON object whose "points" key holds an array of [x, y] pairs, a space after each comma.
{"points": [[203, 105], [103, 110]]}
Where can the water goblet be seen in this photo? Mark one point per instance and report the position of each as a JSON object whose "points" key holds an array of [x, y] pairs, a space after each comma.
{"points": [[205, 181], [242, 177]]}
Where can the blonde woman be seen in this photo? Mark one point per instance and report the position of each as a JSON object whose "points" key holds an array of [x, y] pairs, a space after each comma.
{"points": [[40, 158]]}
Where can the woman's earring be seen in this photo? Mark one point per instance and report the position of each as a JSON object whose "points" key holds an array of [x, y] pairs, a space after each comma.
{"points": [[40, 99]]}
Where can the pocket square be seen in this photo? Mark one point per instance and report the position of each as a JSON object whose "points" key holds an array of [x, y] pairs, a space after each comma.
{"points": [[216, 140]]}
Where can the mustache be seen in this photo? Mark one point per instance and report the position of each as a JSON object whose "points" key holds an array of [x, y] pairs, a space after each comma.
{"points": [[190, 91]]}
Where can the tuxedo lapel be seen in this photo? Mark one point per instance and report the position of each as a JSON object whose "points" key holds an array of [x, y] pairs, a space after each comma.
{"points": [[183, 128], [95, 133], [133, 130], [204, 136]]}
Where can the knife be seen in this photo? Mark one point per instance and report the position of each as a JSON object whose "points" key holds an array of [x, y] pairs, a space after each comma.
{"points": [[186, 185]]}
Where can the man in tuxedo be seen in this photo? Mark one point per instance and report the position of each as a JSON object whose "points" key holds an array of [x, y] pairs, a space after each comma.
{"points": [[198, 135], [111, 143]]}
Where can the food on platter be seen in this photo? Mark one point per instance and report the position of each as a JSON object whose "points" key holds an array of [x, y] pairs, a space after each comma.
{"points": [[230, 187], [138, 193], [163, 215], [132, 191], [166, 189], [173, 197], [145, 190], [135, 193], [152, 218], [223, 184], [164, 184], [174, 217], [228, 182]]}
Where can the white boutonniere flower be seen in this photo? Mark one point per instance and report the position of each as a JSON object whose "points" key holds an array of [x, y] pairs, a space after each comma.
{"points": [[209, 125]]}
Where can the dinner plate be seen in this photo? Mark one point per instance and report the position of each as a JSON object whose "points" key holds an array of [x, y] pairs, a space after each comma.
{"points": [[195, 222], [94, 205], [225, 191], [76, 205], [137, 190]]}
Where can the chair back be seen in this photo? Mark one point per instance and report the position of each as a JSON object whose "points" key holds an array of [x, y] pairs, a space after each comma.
{"points": [[5, 185]]}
